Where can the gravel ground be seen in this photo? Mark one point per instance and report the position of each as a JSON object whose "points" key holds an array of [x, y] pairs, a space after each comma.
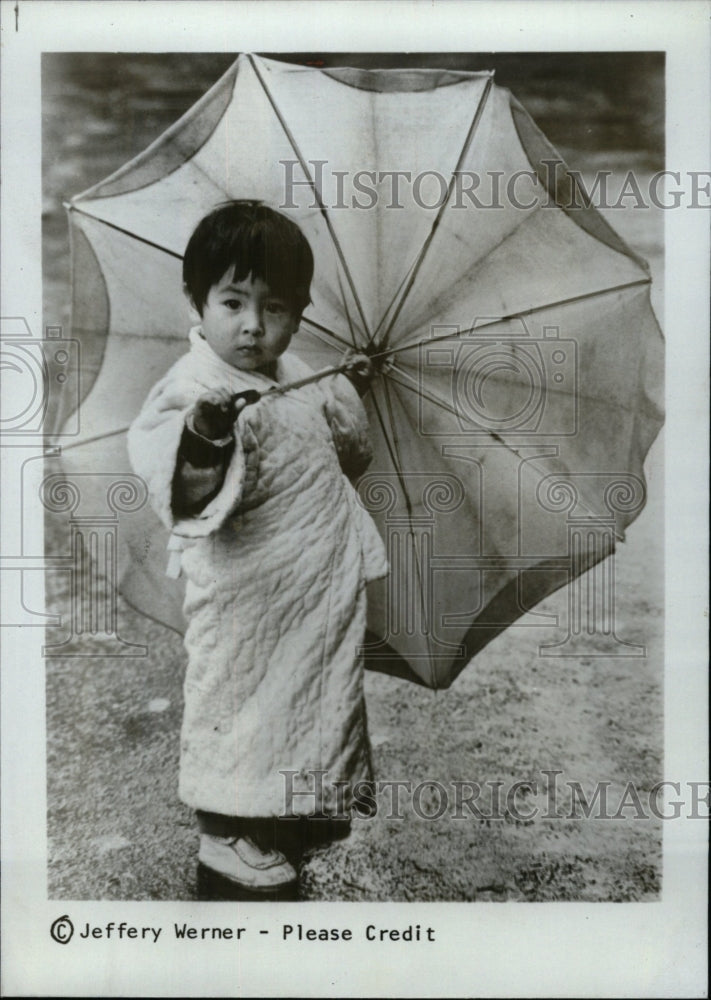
{"points": [[116, 827]]}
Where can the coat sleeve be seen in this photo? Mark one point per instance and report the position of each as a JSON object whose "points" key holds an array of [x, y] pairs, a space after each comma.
{"points": [[154, 444], [348, 421], [200, 470]]}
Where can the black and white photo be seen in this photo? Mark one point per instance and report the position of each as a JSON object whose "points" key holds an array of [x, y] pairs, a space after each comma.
{"points": [[344, 537]]}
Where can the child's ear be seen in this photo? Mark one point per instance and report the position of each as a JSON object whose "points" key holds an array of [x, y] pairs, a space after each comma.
{"points": [[195, 316]]}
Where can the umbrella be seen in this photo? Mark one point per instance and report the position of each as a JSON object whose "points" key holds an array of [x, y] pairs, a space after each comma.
{"points": [[518, 357]]}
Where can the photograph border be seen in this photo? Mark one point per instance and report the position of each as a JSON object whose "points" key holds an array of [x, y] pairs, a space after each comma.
{"points": [[648, 949]]}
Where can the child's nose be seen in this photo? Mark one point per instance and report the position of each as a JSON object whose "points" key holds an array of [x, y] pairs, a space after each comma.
{"points": [[253, 322]]}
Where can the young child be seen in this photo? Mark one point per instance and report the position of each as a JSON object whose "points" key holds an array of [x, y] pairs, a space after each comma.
{"points": [[275, 547]]}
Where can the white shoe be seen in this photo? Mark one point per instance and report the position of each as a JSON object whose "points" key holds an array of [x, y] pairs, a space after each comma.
{"points": [[240, 860]]}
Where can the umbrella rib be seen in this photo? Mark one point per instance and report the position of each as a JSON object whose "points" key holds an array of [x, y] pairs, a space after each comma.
{"points": [[126, 232], [383, 318], [477, 263], [394, 457], [396, 444], [346, 310], [323, 332], [317, 194], [510, 316], [445, 201], [172, 253], [443, 404], [417, 389], [96, 437]]}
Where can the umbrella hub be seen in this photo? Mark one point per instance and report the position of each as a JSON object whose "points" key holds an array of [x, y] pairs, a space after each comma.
{"points": [[381, 360]]}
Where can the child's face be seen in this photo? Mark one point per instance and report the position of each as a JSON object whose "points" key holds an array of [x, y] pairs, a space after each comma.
{"points": [[245, 324]]}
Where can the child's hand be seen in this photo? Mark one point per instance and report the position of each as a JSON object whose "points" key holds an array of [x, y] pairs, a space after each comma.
{"points": [[359, 370], [215, 413], [359, 365]]}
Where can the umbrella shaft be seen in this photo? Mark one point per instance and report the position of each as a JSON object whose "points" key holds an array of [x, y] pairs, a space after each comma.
{"points": [[279, 389]]}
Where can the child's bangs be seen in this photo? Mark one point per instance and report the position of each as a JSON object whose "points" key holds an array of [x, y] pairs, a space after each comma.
{"points": [[243, 238], [278, 263]]}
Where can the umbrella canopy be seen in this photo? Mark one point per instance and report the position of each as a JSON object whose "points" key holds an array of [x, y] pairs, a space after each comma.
{"points": [[519, 359]]}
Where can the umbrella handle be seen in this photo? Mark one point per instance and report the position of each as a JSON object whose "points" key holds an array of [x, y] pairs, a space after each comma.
{"points": [[253, 396], [249, 396]]}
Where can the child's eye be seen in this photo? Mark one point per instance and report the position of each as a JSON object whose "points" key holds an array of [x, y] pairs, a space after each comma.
{"points": [[233, 304], [275, 306]]}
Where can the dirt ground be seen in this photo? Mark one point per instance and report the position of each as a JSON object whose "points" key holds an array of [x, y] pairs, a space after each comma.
{"points": [[116, 827]]}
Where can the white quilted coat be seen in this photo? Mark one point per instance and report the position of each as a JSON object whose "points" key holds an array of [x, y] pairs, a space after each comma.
{"points": [[276, 566]]}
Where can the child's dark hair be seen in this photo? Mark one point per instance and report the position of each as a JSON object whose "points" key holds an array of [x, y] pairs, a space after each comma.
{"points": [[252, 239]]}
